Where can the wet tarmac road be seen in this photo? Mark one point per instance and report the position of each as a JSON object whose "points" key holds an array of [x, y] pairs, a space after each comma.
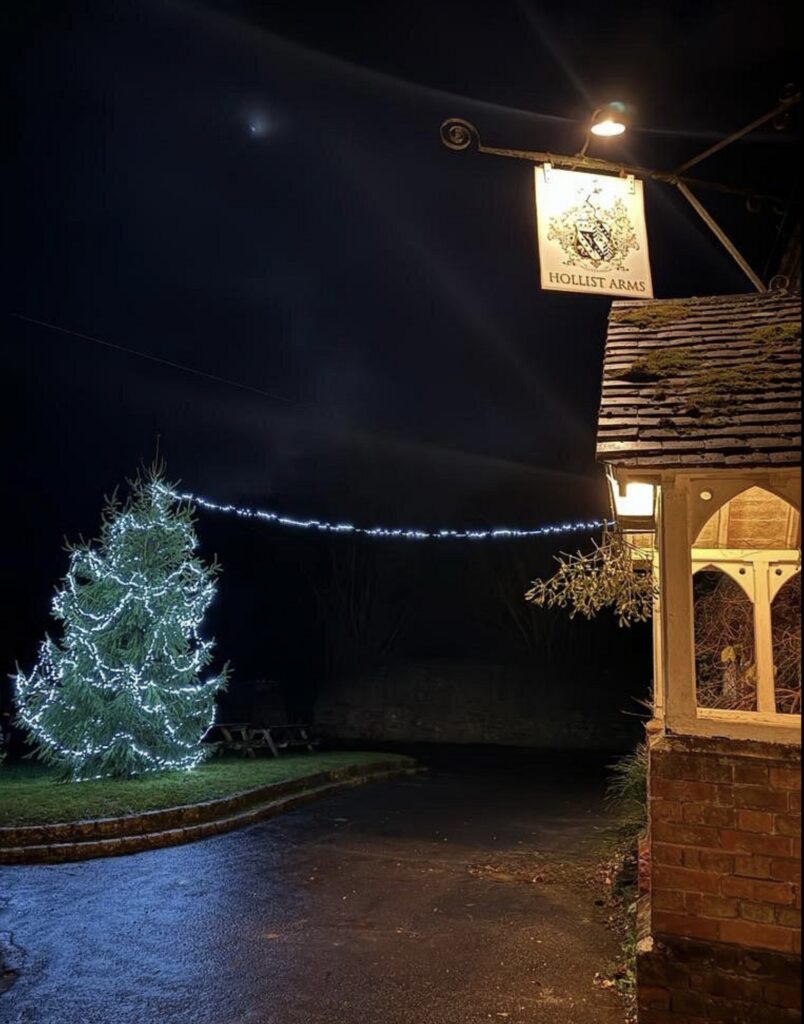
{"points": [[434, 900]]}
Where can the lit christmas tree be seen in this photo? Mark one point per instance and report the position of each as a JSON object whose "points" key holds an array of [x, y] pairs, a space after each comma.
{"points": [[121, 693]]}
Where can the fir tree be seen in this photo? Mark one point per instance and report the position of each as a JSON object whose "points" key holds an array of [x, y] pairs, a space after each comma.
{"points": [[121, 693]]}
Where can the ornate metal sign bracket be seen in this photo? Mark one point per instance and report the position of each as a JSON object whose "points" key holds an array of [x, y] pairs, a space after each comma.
{"points": [[458, 134]]}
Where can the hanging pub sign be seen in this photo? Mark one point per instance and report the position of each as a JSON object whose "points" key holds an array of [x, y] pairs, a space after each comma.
{"points": [[592, 235]]}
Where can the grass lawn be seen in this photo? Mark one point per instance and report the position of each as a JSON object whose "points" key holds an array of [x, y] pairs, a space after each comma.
{"points": [[30, 794]]}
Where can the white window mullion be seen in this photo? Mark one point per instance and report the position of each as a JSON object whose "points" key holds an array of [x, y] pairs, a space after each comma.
{"points": [[763, 639]]}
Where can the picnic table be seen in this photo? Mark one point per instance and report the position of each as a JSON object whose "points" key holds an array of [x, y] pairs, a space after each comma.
{"points": [[247, 738]]}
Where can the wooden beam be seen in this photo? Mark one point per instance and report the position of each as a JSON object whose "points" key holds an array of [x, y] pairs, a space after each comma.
{"points": [[675, 566], [763, 639]]}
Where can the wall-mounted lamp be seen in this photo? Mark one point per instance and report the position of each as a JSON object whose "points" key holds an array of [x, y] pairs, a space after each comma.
{"points": [[634, 505]]}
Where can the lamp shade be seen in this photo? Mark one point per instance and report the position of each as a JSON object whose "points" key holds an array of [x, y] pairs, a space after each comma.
{"points": [[609, 120], [634, 504]]}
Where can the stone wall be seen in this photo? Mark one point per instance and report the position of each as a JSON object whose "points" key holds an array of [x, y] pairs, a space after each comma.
{"points": [[725, 882], [470, 702]]}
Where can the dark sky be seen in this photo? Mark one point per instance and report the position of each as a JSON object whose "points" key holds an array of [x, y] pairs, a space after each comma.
{"points": [[258, 190]]}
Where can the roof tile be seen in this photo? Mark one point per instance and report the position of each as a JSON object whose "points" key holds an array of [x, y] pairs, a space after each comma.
{"points": [[665, 421]]}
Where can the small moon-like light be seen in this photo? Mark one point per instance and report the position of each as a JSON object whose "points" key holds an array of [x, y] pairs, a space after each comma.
{"points": [[259, 125]]}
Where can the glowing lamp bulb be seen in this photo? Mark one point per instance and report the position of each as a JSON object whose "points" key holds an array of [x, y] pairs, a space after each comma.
{"points": [[636, 500], [607, 129], [634, 503], [609, 121]]}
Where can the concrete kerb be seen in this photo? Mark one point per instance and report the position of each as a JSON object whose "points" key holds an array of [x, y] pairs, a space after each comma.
{"points": [[108, 837]]}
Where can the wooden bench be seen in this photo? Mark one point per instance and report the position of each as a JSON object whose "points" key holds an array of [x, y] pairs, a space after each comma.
{"points": [[247, 738]]}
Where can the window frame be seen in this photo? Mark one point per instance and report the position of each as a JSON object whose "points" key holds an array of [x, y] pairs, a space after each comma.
{"points": [[767, 571]]}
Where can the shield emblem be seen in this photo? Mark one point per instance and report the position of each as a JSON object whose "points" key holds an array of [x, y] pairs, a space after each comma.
{"points": [[593, 240]]}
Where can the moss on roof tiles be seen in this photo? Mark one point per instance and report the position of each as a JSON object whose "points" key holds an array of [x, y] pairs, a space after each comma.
{"points": [[650, 315], [709, 388], [701, 365]]}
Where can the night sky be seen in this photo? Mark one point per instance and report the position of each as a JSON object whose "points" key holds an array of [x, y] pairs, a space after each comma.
{"points": [[258, 191]]}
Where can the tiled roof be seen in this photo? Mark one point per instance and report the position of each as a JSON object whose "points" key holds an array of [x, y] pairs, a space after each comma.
{"points": [[702, 382]]}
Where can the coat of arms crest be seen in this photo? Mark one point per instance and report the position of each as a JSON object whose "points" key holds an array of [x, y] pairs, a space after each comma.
{"points": [[593, 235]]}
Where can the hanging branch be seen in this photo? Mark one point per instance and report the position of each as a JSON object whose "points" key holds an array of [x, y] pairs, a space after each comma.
{"points": [[725, 653], [725, 648], [616, 575]]}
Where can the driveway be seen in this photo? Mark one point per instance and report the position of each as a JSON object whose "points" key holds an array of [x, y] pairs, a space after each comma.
{"points": [[461, 897]]}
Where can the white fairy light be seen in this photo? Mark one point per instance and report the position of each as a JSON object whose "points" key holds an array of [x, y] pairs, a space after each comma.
{"points": [[99, 701], [392, 532], [82, 686]]}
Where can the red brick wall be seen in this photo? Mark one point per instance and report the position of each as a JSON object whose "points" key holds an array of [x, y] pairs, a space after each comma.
{"points": [[686, 981], [723, 865], [725, 837]]}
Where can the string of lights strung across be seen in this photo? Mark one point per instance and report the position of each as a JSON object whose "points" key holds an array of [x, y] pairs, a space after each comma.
{"points": [[392, 532]]}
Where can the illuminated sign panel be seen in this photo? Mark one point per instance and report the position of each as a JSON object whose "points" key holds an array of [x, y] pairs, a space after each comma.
{"points": [[592, 235]]}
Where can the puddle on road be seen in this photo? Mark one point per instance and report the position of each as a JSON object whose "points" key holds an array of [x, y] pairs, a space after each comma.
{"points": [[10, 961]]}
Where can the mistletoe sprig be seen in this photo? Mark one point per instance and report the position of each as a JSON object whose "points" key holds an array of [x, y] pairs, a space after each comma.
{"points": [[614, 575]]}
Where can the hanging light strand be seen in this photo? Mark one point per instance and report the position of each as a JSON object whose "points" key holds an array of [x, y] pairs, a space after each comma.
{"points": [[391, 532]]}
